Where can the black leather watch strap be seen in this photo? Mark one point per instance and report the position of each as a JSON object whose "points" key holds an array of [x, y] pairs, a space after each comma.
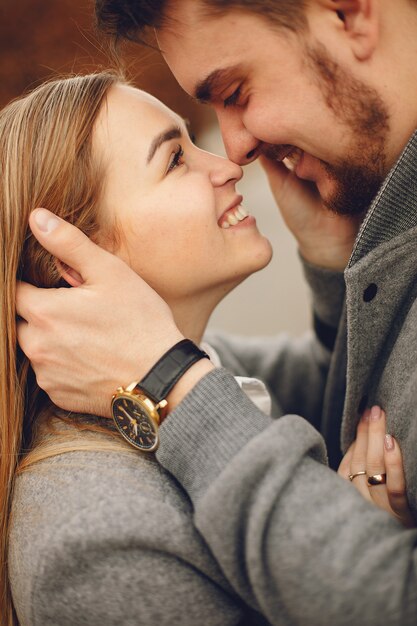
{"points": [[159, 381]]}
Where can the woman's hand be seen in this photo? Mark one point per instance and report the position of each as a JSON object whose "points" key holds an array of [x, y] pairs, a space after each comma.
{"points": [[376, 454], [324, 238]]}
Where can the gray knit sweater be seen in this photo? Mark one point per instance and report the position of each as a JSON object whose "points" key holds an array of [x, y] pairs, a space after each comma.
{"points": [[107, 539], [294, 540]]}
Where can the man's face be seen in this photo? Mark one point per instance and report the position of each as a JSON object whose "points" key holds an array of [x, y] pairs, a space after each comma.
{"points": [[283, 95]]}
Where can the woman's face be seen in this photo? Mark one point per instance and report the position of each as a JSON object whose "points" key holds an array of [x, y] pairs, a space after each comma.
{"points": [[175, 205]]}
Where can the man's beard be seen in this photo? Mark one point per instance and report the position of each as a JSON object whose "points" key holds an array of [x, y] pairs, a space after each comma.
{"points": [[359, 175], [355, 187]]}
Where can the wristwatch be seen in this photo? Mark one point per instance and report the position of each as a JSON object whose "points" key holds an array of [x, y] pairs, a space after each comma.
{"points": [[139, 408]]}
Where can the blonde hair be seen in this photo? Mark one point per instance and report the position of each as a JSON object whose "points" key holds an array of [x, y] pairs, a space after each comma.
{"points": [[45, 160]]}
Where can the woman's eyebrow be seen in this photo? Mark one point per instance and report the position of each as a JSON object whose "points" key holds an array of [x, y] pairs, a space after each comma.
{"points": [[171, 133]]}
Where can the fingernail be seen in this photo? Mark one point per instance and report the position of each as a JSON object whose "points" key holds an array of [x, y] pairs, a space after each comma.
{"points": [[365, 416], [45, 220], [389, 442], [375, 413]]}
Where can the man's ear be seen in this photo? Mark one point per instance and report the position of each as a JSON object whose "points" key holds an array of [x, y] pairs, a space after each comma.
{"points": [[361, 20], [71, 276]]}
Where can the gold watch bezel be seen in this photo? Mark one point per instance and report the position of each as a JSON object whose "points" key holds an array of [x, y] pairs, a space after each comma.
{"points": [[152, 410]]}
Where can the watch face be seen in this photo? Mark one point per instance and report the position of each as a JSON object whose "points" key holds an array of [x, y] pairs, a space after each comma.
{"points": [[135, 423]]}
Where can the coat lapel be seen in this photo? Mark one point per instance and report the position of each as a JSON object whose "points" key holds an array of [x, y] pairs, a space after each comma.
{"points": [[378, 279]]}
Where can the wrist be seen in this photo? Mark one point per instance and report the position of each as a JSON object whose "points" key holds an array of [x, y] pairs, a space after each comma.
{"points": [[187, 382], [327, 292], [333, 259], [139, 408]]}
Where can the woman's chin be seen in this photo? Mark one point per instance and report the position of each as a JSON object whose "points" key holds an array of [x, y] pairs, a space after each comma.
{"points": [[263, 257], [258, 260], [216, 285]]}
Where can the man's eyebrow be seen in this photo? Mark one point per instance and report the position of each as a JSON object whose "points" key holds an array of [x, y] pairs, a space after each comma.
{"points": [[213, 83], [171, 133]]}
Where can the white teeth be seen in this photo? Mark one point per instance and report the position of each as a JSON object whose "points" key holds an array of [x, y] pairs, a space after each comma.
{"points": [[234, 217], [293, 158]]}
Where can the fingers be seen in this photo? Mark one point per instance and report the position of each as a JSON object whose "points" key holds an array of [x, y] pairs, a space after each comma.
{"points": [[21, 331], [375, 463], [375, 453], [72, 277], [68, 243], [26, 296], [275, 170], [359, 456], [277, 174], [33, 303], [344, 467], [396, 487], [29, 342]]}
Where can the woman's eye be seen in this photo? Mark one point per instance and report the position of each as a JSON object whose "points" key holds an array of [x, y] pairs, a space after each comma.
{"points": [[176, 159], [233, 99]]}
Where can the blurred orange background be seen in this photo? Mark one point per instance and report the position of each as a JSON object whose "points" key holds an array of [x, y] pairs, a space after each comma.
{"points": [[44, 38]]}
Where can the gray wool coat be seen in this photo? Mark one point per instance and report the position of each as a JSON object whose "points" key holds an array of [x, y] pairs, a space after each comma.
{"points": [[294, 540]]}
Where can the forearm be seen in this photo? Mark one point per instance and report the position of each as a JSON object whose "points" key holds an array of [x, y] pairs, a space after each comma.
{"points": [[138, 586], [294, 539], [295, 369], [327, 290]]}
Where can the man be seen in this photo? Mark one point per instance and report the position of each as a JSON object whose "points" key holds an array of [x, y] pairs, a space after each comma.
{"points": [[330, 84]]}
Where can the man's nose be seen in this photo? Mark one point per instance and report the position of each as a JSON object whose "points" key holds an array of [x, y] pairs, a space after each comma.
{"points": [[241, 146]]}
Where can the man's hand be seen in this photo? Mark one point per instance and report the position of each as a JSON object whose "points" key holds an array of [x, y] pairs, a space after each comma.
{"points": [[324, 238], [84, 342]]}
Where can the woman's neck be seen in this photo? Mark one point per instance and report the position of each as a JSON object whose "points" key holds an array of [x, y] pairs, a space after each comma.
{"points": [[192, 315]]}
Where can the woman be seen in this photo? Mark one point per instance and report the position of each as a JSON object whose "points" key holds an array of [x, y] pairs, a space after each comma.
{"points": [[98, 533]]}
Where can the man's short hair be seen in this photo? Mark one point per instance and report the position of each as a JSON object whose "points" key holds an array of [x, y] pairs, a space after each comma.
{"points": [[131, 19]]}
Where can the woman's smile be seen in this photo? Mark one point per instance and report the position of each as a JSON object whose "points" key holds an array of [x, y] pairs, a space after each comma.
{"points": [[162, 191]]}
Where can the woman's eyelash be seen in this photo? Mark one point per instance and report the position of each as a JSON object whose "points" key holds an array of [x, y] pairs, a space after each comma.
{"points": [[176, 159], [232, 99]]}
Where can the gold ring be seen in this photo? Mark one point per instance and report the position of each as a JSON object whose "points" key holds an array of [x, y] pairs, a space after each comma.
{"points": [[377, 479], [352, 476]]}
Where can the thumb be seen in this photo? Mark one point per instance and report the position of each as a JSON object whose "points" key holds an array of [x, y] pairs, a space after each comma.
{"points": [[276, 172], [67, 243], [289, 191]]}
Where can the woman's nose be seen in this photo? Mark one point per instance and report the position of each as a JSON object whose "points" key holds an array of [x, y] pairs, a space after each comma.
{"points": [[223, 171]]}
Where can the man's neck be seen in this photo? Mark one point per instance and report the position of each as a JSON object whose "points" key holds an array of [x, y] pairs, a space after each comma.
{"points": [[395, 71], [393, 211]]}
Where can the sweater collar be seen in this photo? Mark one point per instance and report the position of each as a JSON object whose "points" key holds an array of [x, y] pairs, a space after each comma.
{"points": [[394, 210]]}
